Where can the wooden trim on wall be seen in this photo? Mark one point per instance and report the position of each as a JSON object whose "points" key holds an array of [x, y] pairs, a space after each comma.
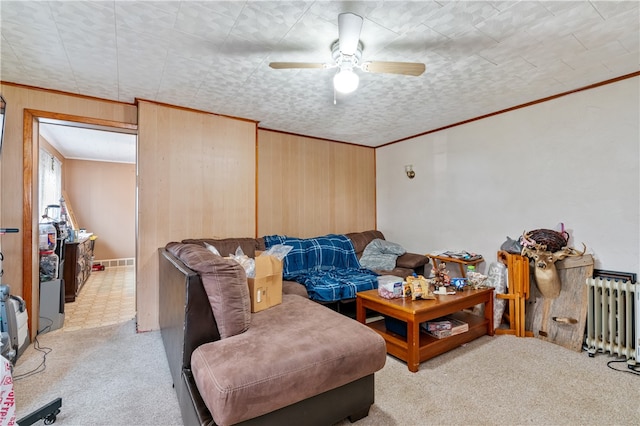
{"points": [[61, 92], [513, 108], [257, 165], [29, 251], [188, 109], [27, 213], [375, 188], [47, 115], [314, 137]]}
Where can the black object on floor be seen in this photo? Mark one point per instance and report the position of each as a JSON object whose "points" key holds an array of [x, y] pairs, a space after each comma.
{"points": [[48, 413]]}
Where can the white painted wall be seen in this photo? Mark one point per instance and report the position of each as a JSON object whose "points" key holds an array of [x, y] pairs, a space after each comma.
{"points": [[573, 160]]}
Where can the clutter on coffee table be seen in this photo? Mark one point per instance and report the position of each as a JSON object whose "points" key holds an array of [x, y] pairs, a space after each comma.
{"points": [[461, 257]]}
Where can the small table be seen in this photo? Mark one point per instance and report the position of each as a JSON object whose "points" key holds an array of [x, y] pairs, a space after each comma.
{"points": [[461, 262], [418, 347]]}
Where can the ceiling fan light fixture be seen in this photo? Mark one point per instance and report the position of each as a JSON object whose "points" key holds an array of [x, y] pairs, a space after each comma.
{"points": [[346, 81]]}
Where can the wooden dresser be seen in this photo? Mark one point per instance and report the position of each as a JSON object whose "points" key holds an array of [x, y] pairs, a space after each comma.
{"points": [[77, 266]]}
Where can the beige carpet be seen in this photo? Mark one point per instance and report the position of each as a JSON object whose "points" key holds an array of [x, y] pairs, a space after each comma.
{"points": [[113, 376], [106, 376], [506, 380]]}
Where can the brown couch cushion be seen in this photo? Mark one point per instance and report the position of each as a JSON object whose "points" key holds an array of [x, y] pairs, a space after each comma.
{"points": [[225, 283], [411, 260], [360, 240], [292, 351], [227, 246], [292, 287]]}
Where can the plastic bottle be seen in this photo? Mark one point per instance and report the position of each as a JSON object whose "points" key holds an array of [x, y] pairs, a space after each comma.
{"points": [[48, 237], [470, 268]]}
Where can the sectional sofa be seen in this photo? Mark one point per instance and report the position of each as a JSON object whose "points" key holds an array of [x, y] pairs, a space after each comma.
{"points": [[294, 363]]}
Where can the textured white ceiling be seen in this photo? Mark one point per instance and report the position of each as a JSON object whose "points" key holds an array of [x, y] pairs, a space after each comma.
{"points": [[481, 57], [76, 143]]}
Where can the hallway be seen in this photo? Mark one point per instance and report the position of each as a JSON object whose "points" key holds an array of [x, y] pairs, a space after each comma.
{"points": [[108, 297]]}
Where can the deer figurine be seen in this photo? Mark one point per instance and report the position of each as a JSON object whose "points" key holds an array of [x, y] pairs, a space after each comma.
{"points": [[545, 272]]}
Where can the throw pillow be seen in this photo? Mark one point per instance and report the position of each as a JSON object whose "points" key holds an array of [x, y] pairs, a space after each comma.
{"points": [[381, 255], [225, 283]]}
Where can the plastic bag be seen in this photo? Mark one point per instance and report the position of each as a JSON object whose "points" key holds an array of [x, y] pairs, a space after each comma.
{"points": [[246, 262], [511, 246], [497, 278], [476, 279], [279, 251]]}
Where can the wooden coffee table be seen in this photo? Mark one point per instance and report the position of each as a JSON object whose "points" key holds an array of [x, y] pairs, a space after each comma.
{"points": [[419, 346]]}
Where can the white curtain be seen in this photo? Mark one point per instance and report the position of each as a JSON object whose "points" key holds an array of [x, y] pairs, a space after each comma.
{"points": [[50, 176]]}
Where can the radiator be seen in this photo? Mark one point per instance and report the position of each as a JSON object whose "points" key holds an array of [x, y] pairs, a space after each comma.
{"points": [[637, 312], [611, 313]]}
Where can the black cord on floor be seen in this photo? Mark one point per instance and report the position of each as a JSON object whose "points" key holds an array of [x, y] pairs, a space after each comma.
{"points": [[632, 369], [43, 365]]}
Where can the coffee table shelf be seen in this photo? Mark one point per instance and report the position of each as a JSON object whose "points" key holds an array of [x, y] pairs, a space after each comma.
{"points": [[418, 346]]}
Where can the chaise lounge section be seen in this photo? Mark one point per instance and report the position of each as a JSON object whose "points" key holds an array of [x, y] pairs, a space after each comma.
{"points": [[294, 363]]}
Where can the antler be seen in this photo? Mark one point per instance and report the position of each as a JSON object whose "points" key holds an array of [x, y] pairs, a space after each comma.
{"points": [[569, 252], [526, 240], [576, 253]]}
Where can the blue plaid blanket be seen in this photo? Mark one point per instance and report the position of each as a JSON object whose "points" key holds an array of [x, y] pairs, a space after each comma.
{"points": [[327, 266]]}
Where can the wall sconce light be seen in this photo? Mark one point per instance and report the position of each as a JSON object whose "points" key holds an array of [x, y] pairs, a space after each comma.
{"points": [[408, 169]]}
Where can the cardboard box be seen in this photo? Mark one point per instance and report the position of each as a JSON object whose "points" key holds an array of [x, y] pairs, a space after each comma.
{"points": [[457, 327], [437, 325], [266, 288]]}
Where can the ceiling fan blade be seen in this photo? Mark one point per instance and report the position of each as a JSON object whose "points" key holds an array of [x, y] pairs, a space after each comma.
{"points": [[404, 68], [349, 27], [288, 65]]}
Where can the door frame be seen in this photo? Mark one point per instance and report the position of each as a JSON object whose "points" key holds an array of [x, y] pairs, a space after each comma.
{"points": [[30, 217]]}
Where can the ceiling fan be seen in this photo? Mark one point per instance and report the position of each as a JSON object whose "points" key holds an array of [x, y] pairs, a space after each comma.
{"points": [[347, 56]]}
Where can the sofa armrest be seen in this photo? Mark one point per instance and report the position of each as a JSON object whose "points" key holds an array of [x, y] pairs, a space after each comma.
{"points": [[411, 260]]}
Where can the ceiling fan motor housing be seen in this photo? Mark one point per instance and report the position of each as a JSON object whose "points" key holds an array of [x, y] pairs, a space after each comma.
{"points": [[346, 61]]}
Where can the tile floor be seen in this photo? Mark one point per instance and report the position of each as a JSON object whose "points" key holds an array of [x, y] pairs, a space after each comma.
{"points": [[108, 297]]}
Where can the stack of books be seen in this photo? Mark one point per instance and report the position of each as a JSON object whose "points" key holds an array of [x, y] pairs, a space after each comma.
{"points": [[444, 327]]}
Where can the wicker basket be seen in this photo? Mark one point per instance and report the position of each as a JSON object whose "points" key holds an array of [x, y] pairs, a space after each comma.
{"points": [[554, 240]]}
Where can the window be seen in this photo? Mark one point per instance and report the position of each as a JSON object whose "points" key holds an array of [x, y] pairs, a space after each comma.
{"points": [[50, 184]]}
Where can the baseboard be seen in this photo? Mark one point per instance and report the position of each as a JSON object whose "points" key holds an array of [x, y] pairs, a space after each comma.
{"points": [[112, 263]]}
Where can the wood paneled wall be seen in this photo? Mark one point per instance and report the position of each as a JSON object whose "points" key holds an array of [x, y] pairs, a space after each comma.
{"points": [[309, 187], [196, 178]]}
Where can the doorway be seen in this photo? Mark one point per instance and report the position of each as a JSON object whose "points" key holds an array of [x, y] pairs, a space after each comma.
{"points": [[82, 198], [99, 187]]}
